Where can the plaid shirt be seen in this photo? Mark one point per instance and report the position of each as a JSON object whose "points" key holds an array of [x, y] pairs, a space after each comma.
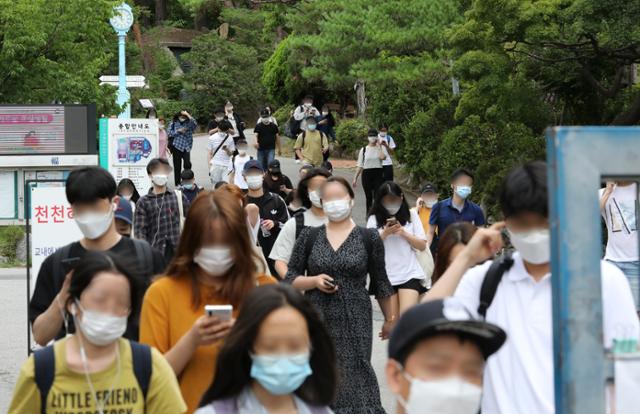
{"points": [[182, 141], [157, 219]]}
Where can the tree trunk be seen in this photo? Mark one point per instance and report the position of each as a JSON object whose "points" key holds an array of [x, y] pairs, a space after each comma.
{"points": [[361, 98], [161, 11], [146, 59], [229, 3], [631, 116]]}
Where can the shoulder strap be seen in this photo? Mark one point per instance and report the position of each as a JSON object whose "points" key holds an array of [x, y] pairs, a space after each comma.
{"points": [[299, 217], [220, 146], [491, 281], [311, 240], [304, 134], [226, 406], [44, 372], [366, 237], [180, 206], [364, 150], [58, 272], [144, 254], [142, 366]]}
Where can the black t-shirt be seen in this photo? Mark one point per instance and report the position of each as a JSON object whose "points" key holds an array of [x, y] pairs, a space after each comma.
{"points": [[272, 207], [273, 186], [266, 135], [46, 288]]}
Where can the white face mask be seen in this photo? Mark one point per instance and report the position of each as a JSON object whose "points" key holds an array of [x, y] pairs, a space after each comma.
{"points": [[325, 113], [372, 140], [216, 261], [392, 209], [446, 396], [266, 121], [337, 210], [254, 181], [534, 245], [160, 179], [314, 197], [429, 203], [127, 197], [100, 328], [94, 225]]}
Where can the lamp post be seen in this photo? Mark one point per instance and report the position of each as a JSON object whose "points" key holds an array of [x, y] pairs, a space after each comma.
{"points": [[121, 22]]}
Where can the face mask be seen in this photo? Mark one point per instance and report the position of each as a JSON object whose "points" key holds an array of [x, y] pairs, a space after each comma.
{"points": [[392, 209], [216, 261], [430, 203], [280, 374], [314, 197], [373, 140], [325, 113], [254, 181], [463, 191], [266, 121], [219, 118], [383, 135], [446, 396], [307, 104], [182, 119], [161, 125], [311, 127], [534, 246], [188, 186], [159, 179], [127, 197], [100, 328], [229, 109], [94, 225], [337, 210]]}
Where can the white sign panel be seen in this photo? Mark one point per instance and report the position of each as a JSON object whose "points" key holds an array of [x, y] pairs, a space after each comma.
{"points": [[132, 144], [52, 225], [8, 194]]}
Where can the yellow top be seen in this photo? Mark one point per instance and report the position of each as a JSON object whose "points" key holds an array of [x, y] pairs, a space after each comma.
{"points": [[315, 144], [168, 314], [424, 213], [70, 392]]}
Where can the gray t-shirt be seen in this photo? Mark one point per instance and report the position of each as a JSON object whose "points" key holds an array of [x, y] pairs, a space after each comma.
{"points": [[371, 158], [287, 238]]}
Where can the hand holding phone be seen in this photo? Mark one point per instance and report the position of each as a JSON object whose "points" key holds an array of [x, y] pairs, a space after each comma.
{"points": [[392, 221], [69, 264], [223, 312]]}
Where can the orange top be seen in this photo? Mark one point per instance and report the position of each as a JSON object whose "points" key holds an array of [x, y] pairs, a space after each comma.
{"points": [[424, 213], [168, 314]]}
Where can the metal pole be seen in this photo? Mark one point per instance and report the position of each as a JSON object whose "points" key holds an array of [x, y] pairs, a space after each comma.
{"points": [[123, 93]]}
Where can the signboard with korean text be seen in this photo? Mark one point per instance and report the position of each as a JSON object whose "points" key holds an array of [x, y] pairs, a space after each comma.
{"points": [[52, 225], [130, 145], [32, 130]]}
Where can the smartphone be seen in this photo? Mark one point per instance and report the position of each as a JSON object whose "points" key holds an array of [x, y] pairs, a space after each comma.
{"points": [[392, 221], [69, 264], [221, 311]]}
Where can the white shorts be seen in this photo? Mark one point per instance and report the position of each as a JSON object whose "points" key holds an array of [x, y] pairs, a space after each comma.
{"points": [[218, 173]]}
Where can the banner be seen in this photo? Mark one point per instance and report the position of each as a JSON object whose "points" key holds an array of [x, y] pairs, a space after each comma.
{"points": [[32, 129], [52, 225], [127, 146]]}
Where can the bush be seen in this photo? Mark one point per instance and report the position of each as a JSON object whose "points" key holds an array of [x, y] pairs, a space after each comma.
{"points": [[282, 115], [351, 135], [9, 238]]}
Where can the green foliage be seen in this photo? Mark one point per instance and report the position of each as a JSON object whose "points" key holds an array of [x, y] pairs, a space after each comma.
{"points": [[282, 115], [9, 238], [55, 50], [278, 77], [351, 135]]}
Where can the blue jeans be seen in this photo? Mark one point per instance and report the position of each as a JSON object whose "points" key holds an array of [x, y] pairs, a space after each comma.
{"points": [[265, 157], [632, 271]]}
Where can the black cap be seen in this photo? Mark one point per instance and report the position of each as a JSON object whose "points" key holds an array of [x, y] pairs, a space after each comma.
{"points": [[310, 118], [443, 316], [429, 188], [274, 167], [252, 165], [265, 113]]}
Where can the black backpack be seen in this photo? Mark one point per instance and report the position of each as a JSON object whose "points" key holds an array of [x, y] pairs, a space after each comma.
{"points": [[491, 281], [299, 218], [45, 370], [292, 128]]}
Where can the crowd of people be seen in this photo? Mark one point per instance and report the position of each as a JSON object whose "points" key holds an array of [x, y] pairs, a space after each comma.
{"points": [[255, 296]]}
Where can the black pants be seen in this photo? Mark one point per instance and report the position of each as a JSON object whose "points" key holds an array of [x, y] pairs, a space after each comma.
{"points": [[371, 181], [178, 157], [387, 172]]}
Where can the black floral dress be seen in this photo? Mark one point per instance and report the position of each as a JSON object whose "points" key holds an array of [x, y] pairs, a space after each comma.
{"points": [[347, 313]]}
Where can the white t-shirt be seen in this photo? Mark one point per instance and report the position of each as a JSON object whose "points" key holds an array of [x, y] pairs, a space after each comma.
{"points": [[371, 158], [283, 246], [400, 259], [620, 215], [519, 377], [234, 125], [237, 165], [392, 145], [221, 158]]}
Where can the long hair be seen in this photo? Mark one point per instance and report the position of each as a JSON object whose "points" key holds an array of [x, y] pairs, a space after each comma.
{"points": [[234, 362], [456, 233], [377, 209], [126, 182], [223, 206], [303, 185]]}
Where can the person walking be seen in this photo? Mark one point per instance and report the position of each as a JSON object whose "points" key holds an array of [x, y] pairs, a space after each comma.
{"points": [[276, 182], [220, 148], [237, 124], [95, 370], [450, 245], [336, 259], [311, 144], [181, 141], [267, 139], [163, 139], [403, 236], [387, 141], [281, 355], [214, 265], [369, 165]]}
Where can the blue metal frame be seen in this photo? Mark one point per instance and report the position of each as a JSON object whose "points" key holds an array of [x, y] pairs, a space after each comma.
{"points": [[578, 159]]}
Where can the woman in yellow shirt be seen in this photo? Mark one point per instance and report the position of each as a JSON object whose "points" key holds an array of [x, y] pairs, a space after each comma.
{"points": [[214, 265], [95, 370]]}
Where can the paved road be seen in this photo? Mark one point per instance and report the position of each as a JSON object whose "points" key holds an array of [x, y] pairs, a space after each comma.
{"points": [[13, 341]]}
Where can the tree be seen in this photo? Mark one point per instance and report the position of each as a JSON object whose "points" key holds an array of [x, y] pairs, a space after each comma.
{"points": [[55, 50]]}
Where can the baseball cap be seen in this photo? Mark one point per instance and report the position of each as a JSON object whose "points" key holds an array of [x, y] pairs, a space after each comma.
{"points": [[274, 167], [265, 113], [443, 316], [429, 188], [252, 165], [123, 211]]}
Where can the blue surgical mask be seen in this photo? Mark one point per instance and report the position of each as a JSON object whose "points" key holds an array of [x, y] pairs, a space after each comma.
{"points": [[463, 191], [280, 374], [311, 127], [187, 186]]}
